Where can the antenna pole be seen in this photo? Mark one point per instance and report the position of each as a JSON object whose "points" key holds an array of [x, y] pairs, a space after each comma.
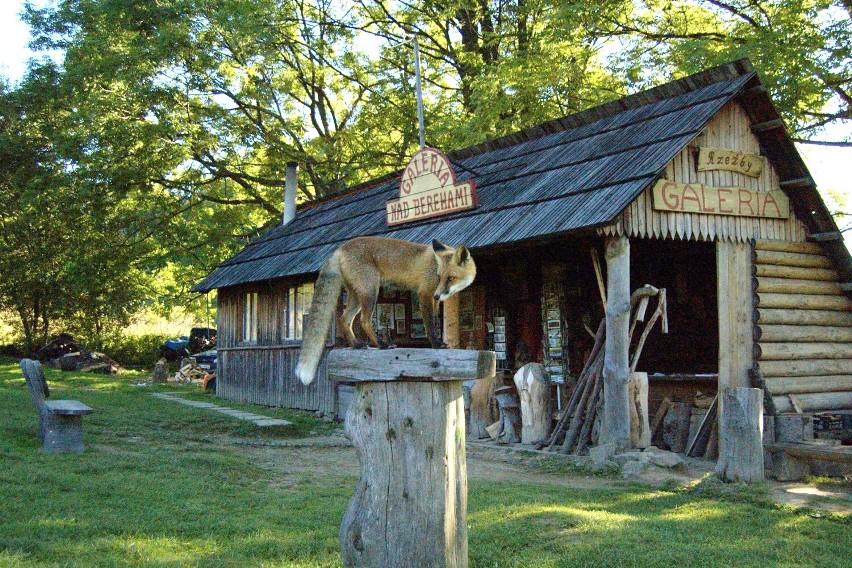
{"points": [[419, 90]]}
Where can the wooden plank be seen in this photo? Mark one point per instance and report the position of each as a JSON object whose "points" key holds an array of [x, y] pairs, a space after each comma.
{"points": [[377, 365], [768, 125], [812, 451], [791, 259], [804, 302], [803, 317], [787, 246], [793, 351], [826, 237], [796, 286], [815, 401], [776, 271], [740, 429], [806, 368], [797, 183], [798, 385], [804, 333]]}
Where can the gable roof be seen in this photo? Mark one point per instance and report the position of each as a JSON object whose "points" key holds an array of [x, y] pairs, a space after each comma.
{"points": [[575, 172]]}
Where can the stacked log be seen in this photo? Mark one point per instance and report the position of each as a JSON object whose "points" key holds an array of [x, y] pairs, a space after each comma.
{"points": [[803, 327]]}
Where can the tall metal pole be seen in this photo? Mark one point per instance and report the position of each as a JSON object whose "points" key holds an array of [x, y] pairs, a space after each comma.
{"points": [[417, 87]]}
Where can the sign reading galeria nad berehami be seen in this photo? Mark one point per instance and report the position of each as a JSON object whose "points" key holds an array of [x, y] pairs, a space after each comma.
{"points": [[710, 159], [679, 197], [428, 189]]}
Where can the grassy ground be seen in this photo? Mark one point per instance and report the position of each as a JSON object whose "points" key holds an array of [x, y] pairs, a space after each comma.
{"points": [[159, 487]]}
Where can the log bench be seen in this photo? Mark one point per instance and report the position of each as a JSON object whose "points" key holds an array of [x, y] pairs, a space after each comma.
{"points": [[791, 461], [60, 422]]}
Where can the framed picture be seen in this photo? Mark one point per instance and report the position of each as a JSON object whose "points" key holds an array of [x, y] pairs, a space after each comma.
{"points": [[466, 321], [418, 330], [478, 322], [552, 324], [384, 315], [400, 327], [499, 347], [501, 356], [415, 307], [500, 321], [553, 314], [554, 341], [499, 338], [399, 311], [465, 301]]}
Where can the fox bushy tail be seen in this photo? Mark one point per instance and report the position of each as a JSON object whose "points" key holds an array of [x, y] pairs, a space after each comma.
{"points": [[323, 308]]}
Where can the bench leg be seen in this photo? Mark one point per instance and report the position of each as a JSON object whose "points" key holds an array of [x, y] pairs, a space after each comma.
{"points": [[63, 433], [789, 468]]}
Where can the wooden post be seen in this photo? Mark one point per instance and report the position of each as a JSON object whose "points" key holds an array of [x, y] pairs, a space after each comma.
{"points": [[451, 321], [533, 386], [407, 425], [640, 427], [741, 435], [616, 422], [736, 328]]}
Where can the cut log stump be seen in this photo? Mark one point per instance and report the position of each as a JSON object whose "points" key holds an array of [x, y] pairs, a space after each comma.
{"points": [[407, 425], [741, 429], [533, 386]]}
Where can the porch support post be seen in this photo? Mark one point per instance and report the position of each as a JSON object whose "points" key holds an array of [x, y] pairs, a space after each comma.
{"points": [[736, 308], [616, 371], [451, 321]]}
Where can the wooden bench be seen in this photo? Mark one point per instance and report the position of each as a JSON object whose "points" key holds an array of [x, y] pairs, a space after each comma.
{"points": [[60, 422], [791, 461]]}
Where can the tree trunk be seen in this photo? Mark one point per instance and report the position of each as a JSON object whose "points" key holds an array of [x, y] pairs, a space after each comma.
{"points": [[616, 419], [481, 408], [741, 431], [640, 427]]}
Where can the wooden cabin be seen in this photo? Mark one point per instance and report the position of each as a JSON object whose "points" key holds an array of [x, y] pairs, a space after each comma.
{"points": [[698, 176]]}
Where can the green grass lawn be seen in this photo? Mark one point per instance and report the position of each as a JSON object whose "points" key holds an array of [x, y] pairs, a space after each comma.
{"points": [[158, 487]]}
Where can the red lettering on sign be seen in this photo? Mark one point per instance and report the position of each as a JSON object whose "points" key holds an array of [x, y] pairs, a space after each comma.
{"points": [[705, 208], [723, 199], [745, 202]]}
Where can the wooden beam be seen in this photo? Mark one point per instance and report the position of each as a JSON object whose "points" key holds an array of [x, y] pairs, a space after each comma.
{"points": [[360, 365], [795, 286], [803, 333], [823, 237], [797, 183], [791, 259], [804, 302], [768, 125], [777, 271], [806, 368], [799, 351], [814, 402], [808, 385], [787, 246], [812, 451], [754, 91], [616, 423], [803, 317], [846, 286]]}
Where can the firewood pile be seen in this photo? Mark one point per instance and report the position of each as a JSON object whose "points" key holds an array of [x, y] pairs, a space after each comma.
{"points": [[575, 431], [189, 371], [66, 354], [687, 427]]}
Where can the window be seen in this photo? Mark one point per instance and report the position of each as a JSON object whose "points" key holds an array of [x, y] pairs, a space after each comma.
{"points": [[250, 318], [298, 306]]}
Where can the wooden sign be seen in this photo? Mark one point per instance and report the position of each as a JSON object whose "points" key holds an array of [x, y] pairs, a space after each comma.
{"points": [[729, 160], [428, 189], [737, 201]]}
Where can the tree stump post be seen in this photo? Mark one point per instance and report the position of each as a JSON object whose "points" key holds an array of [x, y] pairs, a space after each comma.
{"points": [[616, 370], [741, 435], [406, 422]]}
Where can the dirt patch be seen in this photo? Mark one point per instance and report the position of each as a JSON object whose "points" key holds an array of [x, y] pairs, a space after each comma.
{"points": [[294, 462]]}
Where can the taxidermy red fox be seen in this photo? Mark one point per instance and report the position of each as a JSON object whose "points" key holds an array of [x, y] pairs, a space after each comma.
{"points": [[361, 266]]}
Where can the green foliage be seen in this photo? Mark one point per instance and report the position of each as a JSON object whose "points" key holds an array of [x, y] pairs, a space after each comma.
{"points": [[158, 147], [135, 350]]}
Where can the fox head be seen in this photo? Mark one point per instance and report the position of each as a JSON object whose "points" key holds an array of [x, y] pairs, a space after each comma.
{"points": [[456, 269]]}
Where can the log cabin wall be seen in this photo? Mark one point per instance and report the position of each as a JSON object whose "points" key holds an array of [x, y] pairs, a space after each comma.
{"points": [[730, 128], [262, 372]]}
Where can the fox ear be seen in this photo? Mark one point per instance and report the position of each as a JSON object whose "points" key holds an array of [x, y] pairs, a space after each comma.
{"points": [[462, 255], [438, 246]]}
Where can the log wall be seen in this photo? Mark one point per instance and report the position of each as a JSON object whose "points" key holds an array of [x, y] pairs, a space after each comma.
{"points": [[730, 128], [803, 327], [263, 372]]}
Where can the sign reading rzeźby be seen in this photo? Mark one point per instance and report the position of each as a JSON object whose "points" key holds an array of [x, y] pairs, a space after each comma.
{"points": [[428, 189], [710, 159], [737, 201]]}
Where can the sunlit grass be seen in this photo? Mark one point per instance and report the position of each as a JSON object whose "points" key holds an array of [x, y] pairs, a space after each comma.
{"points": [[160, 485]]}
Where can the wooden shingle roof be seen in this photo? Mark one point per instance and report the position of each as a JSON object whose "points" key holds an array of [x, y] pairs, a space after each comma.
{"points": [[572, 173]]}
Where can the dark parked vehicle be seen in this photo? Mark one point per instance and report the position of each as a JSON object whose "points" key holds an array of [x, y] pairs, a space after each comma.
{"points": [[206, 360], [200, 339]]}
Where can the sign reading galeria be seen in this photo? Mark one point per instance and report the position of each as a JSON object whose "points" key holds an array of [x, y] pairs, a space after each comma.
{"points": [[737, 201], [429, 189]]}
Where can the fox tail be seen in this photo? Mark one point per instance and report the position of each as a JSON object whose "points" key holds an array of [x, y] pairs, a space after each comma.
{"points": [[323, 307]]}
